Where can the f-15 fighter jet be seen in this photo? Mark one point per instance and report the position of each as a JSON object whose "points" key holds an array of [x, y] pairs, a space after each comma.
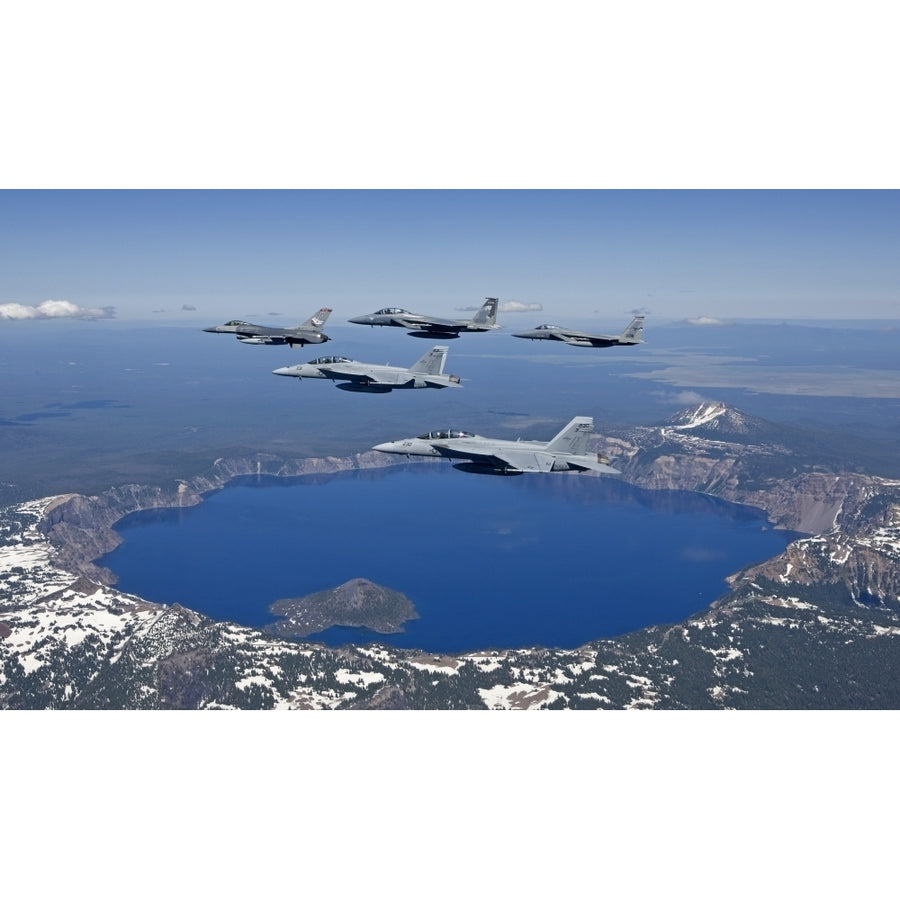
{"points": [[633, 334], [427, 326]]}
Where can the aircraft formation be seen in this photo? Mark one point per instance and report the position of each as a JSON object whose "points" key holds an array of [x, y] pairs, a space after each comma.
{"points": [[567, 451]]}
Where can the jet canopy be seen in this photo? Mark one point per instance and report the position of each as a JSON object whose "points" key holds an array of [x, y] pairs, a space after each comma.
{"points": [[236, 323], [444, 435], [328, 360]]}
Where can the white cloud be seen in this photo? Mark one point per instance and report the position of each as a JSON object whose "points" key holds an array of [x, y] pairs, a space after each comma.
{"points": [[54, 309], [706, 320], [514, 306], [681, 398], [687, 398]]}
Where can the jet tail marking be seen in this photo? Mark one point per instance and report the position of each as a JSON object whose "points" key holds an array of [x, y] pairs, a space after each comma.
{"points": [[487, 315], [431, 363], [316, 320], [635, 331], [574, 437]]}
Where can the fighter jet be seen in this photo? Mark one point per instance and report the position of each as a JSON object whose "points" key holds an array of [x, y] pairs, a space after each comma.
{"points": [[374, 379], [491, 456], [426, 326], [631, 335], [309, 332]]}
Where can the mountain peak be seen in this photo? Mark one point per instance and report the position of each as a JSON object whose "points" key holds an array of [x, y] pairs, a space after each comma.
{"points": [[702, 414], [715, 419]]}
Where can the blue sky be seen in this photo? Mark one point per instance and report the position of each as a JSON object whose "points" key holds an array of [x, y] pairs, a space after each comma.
{"points": [[570, 254]]}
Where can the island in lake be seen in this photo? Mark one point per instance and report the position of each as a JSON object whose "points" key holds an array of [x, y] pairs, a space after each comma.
{"points": [[358, 603]]}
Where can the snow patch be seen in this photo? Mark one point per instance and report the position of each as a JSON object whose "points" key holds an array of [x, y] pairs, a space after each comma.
{"points": [[706, 412], [345, 676], [517, 696]]}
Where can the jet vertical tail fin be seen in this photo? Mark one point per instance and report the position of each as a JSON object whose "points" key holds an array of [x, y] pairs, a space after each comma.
{"points": [[634, 333], [432, 363], [574, 437], [316, 320], [487, 315]]}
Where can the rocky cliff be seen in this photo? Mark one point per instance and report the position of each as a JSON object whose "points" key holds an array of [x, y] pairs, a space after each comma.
{"points": [[716, 449]]}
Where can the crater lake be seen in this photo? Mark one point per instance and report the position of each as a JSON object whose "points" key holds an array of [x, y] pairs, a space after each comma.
{"points": [[503, 562]]}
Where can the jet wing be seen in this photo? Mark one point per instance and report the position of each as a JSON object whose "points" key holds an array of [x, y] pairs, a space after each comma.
{"points": [[583, 339], [589, 464], [576, 340], [512, 459], [525, 460], [361, 377], [444, 381], [248, 331], [411, 321], [261, 339], [439, 326], [536, 461], [346, 373], [505, 459]]}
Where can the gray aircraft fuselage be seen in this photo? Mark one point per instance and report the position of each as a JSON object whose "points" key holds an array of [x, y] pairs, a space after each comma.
{"points": [[308, 332], [427, 372], [428, 326], [631, 336], [565, 452]]}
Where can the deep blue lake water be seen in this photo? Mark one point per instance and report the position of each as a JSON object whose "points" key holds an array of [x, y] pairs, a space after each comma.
{"points": [[554, 560]]}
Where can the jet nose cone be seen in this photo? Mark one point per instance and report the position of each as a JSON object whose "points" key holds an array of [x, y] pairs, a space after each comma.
{"points": [[285, 370], [212, 328], [387, 447], [359, 320]]}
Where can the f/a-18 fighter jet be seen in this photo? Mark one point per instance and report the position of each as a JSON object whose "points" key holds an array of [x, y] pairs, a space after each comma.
{"points": [[427, 326], [633, 334], [370, 378], [568, 451], [308, 332]]}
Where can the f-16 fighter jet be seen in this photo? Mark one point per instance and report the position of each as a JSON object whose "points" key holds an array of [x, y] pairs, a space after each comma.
{"points": [[309, 332], [374, 379], [633, 334], [427, 326], [568, 451]]}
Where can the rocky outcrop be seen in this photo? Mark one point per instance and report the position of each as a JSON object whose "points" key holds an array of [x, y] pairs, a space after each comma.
{"points": [[718, 450], [358, 603], [866, 566]]}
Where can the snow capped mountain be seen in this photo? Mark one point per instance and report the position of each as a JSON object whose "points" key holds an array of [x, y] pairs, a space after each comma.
{"points": [[719, 421]]}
